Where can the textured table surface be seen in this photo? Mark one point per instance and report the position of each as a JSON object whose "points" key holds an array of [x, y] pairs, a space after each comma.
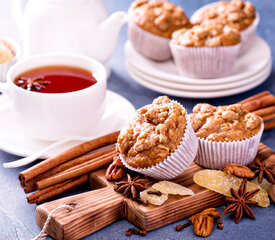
{"points": [[17, 218]]}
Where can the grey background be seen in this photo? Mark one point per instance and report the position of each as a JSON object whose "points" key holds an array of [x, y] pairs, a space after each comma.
{"points": [[17, 218]]}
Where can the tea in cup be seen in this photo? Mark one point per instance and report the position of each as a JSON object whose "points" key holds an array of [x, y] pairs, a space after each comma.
{"points": [[54, 96]]}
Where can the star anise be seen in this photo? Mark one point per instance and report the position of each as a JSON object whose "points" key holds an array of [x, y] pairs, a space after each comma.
{"points": [[239, 202], [30, 84], [131, 188], [260, 169]]}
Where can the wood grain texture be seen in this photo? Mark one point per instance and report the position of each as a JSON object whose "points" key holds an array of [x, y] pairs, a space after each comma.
{"points": [[96, 209], [101, 207]]}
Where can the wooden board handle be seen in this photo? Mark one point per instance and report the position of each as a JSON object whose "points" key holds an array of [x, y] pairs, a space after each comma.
{"points": [[96, 209]]}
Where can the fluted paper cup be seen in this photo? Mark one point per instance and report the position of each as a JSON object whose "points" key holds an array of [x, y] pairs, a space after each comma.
{"points": [[215, 155], [205, 62], [177, 162], [148, 44], [249, 34], [4, 67]]}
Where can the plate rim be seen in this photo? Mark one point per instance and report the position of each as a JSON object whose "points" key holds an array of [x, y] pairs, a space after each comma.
{"points": [[186, 80], [196, 88], [198, 95]]}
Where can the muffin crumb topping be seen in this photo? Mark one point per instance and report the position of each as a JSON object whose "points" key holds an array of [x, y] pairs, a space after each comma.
{"points": [[224, 123], [236, 14], [154, 133], [206, 36], [161, 18]]}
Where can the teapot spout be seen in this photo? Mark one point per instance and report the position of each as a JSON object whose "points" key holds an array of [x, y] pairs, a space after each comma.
{"points": [[109, 31]]}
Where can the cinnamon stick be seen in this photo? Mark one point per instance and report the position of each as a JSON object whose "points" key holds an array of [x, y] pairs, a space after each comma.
{"points": [[269, 117], [92, 161], [256, 96], [264, 152], [76, 171], [29, 186], [67, 155], [47, 193], [269, 125], [266, 155], [265, 111], [259, 103]]}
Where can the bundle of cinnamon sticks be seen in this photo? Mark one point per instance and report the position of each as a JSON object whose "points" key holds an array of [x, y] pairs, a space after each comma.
{"points": [[263, 104], [71, 168], [67, 170]]}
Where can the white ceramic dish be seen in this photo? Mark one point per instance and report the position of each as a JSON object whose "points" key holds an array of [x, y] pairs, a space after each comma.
{"points": [[206, 94], [246, 65], [54, 116], [188, 87], [14, 140]]}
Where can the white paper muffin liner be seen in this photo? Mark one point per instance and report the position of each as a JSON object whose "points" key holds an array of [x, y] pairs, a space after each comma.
{"points": [[205, 62], [4, 67], [177, 162], [215, 155], [248, 35], [148, 44]]}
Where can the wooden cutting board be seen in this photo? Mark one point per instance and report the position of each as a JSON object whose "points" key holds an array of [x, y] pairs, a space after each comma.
{"points": [[102, 206]]}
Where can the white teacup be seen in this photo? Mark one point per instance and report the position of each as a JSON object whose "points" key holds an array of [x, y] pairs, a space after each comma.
{"points": [[53, 116]]}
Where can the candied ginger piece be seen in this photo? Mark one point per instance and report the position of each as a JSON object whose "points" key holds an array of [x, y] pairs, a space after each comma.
{"points": [[264, 185], [221, 182], [153, 199], [167, 187]]}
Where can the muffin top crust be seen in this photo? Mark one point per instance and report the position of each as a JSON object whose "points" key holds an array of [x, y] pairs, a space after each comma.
{"points": [[208, 35], [236, 14], [161, 18], [224, 123], [153, 134]]}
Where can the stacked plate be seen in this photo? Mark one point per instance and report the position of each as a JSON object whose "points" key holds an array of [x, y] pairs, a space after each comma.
{"points": [[250, 70]]}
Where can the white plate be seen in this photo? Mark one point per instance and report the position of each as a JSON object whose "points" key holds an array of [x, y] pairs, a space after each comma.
{"points": [[246, 65], [207, 94], [201, 88], [119, 111]]}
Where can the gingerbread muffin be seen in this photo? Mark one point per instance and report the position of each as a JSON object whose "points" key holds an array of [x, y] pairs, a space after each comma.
{"points": [[159, 141], [236, 14], [151, 25], [211, 50], [227, 134]]}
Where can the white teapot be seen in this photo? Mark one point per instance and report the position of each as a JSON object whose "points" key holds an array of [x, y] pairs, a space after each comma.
{"points": [[78, 26]]}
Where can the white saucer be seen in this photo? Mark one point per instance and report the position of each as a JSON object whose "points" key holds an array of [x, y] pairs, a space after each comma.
{"points": [[119, 111], [197, 88], [203, 94], [246, 65]]}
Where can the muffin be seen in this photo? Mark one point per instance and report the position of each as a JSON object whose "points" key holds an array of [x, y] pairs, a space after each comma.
{"points": [[151, 25], [227, 134], [8, 55], [205, 51], [236, 14], [160, 141]]}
